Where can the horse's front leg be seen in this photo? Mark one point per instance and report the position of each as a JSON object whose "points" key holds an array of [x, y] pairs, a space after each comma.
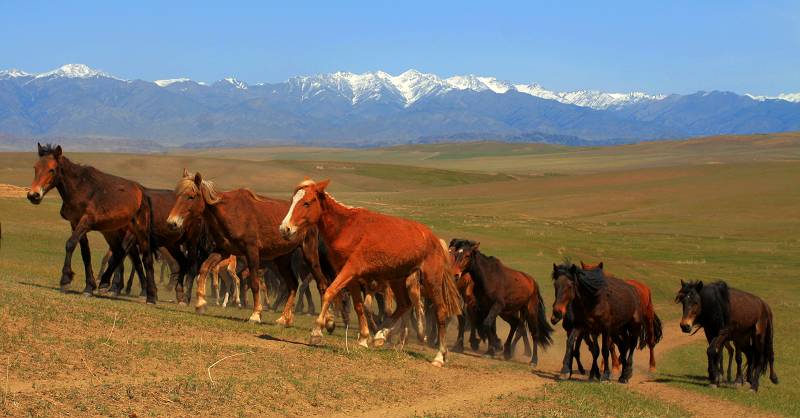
{"points": [[566, 365], [364, 336], [713, 352], [594, 373], [606, 351], [458, 347], [345, 276], [79, 231], [202, 276], [489, 327]]}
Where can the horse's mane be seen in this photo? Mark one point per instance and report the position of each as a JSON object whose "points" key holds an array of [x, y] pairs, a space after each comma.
{"points": [[48, 149], [715, 299], [592, 280], [206, 189]]}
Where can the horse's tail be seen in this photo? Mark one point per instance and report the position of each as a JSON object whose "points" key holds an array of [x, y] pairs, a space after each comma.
{"points": [[450, 293], [658, 329], [768, 356], [543, 329]]}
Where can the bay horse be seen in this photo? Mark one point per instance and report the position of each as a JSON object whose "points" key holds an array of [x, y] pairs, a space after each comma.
{"points": [[603, 306], [95, 201], [364, 246], [511, 294], [244, 224], [728, 314], [651, 320]]}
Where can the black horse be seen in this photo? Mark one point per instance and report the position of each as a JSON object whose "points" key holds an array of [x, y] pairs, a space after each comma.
{"points": [[728, 314]]}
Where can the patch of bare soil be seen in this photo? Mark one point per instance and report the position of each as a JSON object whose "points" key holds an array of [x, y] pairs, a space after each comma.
{"points": [[9, 190]]}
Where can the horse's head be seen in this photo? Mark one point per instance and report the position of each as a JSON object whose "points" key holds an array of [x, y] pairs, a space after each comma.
{"points": [[689, 297], [46, 172], [192, 195], [564, 277], [305, 209], [462, 251]]}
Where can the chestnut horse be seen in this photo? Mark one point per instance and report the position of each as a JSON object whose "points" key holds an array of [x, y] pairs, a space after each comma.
{"points": [[506, 292], [603, 306], [651, 320], [244, 224], [728, 314], [95, 201], [365, 246]]}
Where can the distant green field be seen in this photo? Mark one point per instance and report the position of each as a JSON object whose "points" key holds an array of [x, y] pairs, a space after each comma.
{"points": [[710, 209]]}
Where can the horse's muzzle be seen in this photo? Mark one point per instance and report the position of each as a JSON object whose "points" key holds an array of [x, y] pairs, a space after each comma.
{"points": [[555, 317], [286, 232], [35, 197], [686, 327]]}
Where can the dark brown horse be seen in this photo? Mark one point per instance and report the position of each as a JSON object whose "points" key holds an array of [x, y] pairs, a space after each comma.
{"points": [[506, 292], [95, 201], [728, 314], [603, 306], [244, 224], [365, 246], [651, 320]]}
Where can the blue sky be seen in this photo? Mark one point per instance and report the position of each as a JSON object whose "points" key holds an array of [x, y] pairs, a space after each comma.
{"points": [[652, 46]]}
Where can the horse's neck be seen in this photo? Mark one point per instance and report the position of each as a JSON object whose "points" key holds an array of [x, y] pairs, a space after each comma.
{"points": [[480, 268], [333, 219], [72, 180]]}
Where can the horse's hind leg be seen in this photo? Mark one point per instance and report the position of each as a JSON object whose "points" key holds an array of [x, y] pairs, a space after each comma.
{"points": [[594, 373], [606, 351], [566, 364], [513, 323], [364, 335], [576, 352], [458, 347], [86, 255], [284, 264]]}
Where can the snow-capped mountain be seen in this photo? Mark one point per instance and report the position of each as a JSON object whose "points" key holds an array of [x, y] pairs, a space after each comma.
{"points": [[368, 108], [789, 97]]}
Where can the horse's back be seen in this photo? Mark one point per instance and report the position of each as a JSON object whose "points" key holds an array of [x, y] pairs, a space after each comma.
{"points": [[747, 309]]}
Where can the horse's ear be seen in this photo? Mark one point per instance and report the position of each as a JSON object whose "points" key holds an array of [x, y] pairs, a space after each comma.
{"points": [[186, 172], [198, 179], [583, 265], [573, 269], [600, 266], [57, 152], [476, 246], [555, 267], [683, 284], [699, 286], [40, 148], [321, 186]]}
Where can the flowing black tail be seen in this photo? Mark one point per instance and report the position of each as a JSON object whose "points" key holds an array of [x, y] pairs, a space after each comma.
{"points": [[543, 329]]}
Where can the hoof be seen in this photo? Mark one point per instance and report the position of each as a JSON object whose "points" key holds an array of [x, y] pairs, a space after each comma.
{"points": [[181, 303], [282, 321], [437, 363], [457, 349], [774, 380], [652, 369], [713, 385], [255, 318], [87, 294], [363, 342], [330, 325], [316, 337], [199, 309], [127, 292], [150, 302], [563, 376], [623, 380], [378, 342]]}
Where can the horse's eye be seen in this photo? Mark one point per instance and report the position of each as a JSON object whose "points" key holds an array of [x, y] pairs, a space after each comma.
{"points": [[52, 171], [190, 197], [307, 204]]}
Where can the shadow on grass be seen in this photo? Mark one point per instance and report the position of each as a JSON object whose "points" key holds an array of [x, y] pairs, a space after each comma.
{"points": [[690, 379], [268, 337]]}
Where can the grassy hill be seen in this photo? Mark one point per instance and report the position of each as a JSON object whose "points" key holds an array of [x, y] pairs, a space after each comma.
{"points": [[709, 208]]}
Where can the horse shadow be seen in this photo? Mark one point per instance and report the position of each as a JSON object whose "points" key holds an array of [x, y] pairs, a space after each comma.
{"points": [[691, 379]]}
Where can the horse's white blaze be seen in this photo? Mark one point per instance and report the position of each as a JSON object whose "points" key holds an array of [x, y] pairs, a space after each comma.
{"points": [[287, 220]]}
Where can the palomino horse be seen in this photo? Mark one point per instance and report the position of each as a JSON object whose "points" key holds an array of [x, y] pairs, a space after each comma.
{"points": [[728, 314], [364, 246], [95, 201], [603, 305], [243, 224], [651, 320], [506, 292]]}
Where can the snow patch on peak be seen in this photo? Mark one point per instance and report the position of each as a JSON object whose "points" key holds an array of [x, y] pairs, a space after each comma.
{"points": [[165, 83], [587, 98], [75, 71], [13, 73], [241, 85]]}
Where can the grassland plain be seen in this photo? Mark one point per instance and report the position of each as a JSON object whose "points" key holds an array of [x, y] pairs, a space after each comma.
{"points": [[718, 208]]}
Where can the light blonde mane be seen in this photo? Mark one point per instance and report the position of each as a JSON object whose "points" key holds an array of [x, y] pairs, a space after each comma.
{"points": [[207, 189]]}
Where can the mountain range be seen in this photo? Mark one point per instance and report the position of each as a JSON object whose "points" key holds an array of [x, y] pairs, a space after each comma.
{"points": [[375, 108]]}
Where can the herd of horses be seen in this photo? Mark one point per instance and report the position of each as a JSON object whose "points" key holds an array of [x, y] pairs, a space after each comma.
{"points": [[354, 253]]}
